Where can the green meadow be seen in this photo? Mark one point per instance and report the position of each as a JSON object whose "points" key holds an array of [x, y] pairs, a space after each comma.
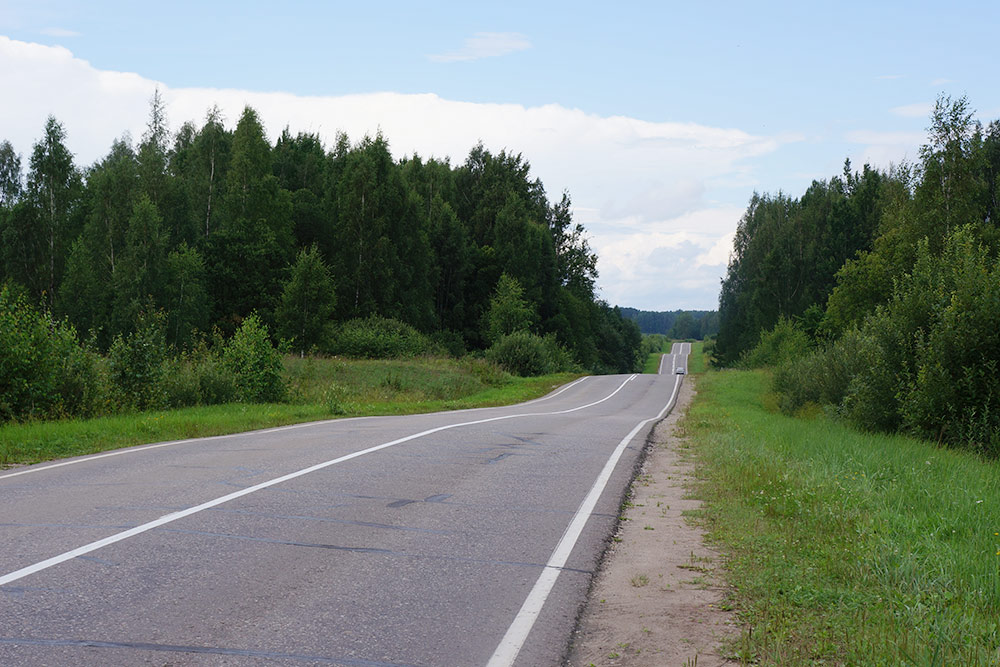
{"points": [[319, 388], [844, 547]]}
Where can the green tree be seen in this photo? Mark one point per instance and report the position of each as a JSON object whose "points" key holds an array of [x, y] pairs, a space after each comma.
{"points": [[253, 361], [684, 327], [81, 292], [185, 295], [382, 256], [509, 311], [256, 233], [137, 363], [54, 186], [576, 262], [11, 179], [201, 160], [307, 301], [244, 263], [152, 154], [139, 280]]}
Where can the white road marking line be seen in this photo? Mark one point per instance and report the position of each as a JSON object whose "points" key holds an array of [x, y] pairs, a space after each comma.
{"points": [[174, 516], [513, 641], [129, 450]]}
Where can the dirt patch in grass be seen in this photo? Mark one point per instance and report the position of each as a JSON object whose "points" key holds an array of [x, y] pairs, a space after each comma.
{"points": [[657, 599]]}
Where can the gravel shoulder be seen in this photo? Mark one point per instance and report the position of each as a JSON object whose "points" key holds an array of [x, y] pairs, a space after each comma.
{"points": [[656, 599]]}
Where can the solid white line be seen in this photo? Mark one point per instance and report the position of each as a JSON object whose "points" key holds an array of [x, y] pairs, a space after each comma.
{"points": [[512, 642], [168, 518], [130, 450], [545, 398]]}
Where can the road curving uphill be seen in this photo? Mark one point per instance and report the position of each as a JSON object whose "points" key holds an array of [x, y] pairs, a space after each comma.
{"points": [[441, 539]]}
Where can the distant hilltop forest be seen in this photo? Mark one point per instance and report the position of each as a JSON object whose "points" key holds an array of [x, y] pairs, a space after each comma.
{"points": [[678, 324]]}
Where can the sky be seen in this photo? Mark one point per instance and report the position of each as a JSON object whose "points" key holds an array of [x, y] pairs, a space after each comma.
{"points": [[660, 119]]}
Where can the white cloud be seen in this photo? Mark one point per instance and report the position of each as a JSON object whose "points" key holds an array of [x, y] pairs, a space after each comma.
{"points": [[885, 138], [640, 187], [718, 254], [59, 32], [917, 110], [485, 45], [884, 148], [684, 257]]}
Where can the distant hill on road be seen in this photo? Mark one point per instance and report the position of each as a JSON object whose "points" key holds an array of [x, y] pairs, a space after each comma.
{"points": [[676, 323]]}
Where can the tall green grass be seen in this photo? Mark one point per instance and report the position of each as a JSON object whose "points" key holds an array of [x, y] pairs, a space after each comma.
{"points": [[844, 547], [319, 388]]}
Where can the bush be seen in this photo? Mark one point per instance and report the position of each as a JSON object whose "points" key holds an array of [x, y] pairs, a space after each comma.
{"points": [[83, 381], [254, 363], [823, 376], [180, 383], [43, 370], [378, 338], [137, 364], [26, 365], [216, 384], [785, 342], [198, 377], [528, 355], [450, 342]]}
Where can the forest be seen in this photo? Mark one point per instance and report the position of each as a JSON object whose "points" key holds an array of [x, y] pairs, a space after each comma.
{"points": [[675, 324], [209, 241], [876, 294]]}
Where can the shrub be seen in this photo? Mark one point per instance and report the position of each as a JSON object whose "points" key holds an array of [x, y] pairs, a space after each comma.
{"points": [[378, 338], [785, 342], [527, 355], [216, 384], [137, 364], [823, 376], [198, 377], [254, 363], [180, 383], [450, 342], [82, 382], [25, 364], [43, 370]]}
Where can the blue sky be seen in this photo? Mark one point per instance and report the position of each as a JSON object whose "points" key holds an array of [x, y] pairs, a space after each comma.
{"points": [[660, 118]]}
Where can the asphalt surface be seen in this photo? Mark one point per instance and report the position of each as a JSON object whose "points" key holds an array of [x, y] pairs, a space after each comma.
{"points": [[418, 540]]}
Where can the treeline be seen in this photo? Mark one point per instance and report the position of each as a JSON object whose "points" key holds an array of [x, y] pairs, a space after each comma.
{"points": [[208, 225], [879, 293], [677, 324]]}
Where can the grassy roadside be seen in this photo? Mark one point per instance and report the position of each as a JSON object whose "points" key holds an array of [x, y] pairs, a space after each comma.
{"points": [[652, 365], [320, 389], [697, 363], [843, 547]]}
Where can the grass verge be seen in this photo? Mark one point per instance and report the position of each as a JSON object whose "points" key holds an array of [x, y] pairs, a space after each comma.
{"points": [[320, 389], [844, 547], [652, 365]]}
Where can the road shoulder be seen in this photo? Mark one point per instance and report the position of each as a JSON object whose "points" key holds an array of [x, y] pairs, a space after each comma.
{"points": [[656, 598]]}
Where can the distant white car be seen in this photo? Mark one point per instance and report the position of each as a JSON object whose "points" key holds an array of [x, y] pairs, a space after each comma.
{"points": [[680, 370]]}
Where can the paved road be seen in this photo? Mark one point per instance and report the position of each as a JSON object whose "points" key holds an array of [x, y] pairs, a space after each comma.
{"points": [[675, 359], [459, 538]]}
